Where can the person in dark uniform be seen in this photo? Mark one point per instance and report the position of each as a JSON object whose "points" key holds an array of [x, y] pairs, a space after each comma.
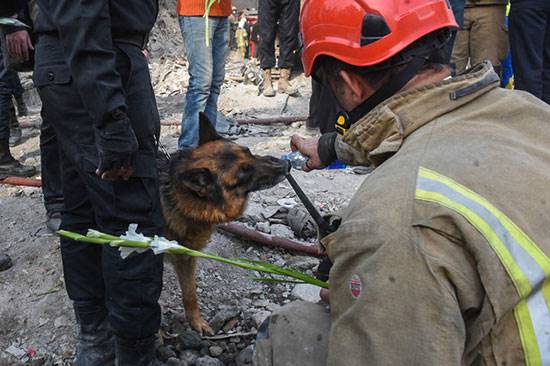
{"points": [[7, 9], [530, 45], [49, 150], [9, 166], [95, 87]]}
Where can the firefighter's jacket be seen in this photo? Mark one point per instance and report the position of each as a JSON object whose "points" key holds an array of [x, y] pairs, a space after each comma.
{"points": [[442, 257]]}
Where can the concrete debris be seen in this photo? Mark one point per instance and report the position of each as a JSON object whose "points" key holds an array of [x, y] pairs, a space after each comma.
{"points": [[15, 351], [223, 316], [245, 357], [208, 361], [306, 292], [281, 230], [190, 339], [215, 351]]}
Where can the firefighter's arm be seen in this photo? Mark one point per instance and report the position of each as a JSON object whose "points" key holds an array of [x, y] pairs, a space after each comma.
{"points": [[392, 304]]}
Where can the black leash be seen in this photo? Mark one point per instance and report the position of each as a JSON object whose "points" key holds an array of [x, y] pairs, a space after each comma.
{"points": [[162, 148], [325, 228]]}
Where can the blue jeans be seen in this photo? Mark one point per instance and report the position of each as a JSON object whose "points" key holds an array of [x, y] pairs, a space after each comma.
{"points": [[206, 72]]}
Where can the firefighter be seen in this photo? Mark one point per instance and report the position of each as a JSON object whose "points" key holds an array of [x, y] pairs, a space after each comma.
{"points": [[442, 255]]}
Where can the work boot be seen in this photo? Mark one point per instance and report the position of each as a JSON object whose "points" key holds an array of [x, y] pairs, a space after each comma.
{"points": [[53, 220], [21, 106], [95, 342], [139, 352], [268, 84], [5, 262], [284, 84], [11, 167]]}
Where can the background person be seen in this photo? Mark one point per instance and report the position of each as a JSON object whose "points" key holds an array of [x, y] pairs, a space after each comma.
{"points": [[530, 43], [206, 63], [9, 166], [278, 17], [483, 36]]}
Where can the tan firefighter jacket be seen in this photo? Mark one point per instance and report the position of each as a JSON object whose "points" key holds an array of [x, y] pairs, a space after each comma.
{"points": [[442, 257]]}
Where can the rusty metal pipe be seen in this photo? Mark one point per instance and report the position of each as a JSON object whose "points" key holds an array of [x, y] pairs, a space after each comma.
{"points": [[269, 240], [18, 181]]}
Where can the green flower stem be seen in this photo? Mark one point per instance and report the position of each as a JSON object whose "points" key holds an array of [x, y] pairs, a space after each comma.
{"points": [[97, 237], [207, 5]]}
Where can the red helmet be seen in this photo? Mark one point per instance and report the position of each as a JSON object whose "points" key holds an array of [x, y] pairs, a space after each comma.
{"points": [[367, 32]]}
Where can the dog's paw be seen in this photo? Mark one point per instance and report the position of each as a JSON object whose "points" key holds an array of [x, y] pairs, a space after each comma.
{"points": [[201, 326]]}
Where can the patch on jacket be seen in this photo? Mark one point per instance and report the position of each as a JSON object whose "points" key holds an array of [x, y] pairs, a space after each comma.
{"points": [[355, 286]]}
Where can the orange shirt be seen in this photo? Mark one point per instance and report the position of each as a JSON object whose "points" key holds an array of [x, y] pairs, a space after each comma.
{"points": [[220, 8]]}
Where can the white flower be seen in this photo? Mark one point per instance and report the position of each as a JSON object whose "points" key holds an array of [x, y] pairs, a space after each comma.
{"points": [[162, 245], [133, 235]]}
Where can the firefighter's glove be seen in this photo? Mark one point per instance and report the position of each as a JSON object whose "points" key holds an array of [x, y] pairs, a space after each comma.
{"points": [[117, 146]]}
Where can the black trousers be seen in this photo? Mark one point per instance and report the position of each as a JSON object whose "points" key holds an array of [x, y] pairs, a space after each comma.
{"points": [[530, 44], [50, 162], [282, 17], [129, 288], [17, 88], [7, 110]]}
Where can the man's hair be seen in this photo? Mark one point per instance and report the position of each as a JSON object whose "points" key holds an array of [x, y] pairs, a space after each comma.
{"points": [[436, 60]]}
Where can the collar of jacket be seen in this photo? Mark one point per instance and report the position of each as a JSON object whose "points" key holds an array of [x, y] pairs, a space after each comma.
{"points": [[380, 133]]}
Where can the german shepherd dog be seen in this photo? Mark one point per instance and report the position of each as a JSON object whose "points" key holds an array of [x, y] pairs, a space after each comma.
{"points": [[202, 187]]}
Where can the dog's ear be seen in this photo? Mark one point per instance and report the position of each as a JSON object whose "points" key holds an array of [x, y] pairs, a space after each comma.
{"points": [[202, 182], [207, 131]]}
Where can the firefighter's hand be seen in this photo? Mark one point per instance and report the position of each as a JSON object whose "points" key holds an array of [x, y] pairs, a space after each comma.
{"points": [[307, 147], [19, 45], [117, 146]]}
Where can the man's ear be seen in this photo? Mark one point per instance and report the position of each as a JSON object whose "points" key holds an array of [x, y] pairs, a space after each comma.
{"points": [[207, 131], [359, 90]]}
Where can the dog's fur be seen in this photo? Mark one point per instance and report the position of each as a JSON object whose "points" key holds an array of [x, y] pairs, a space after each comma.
{"points": [[202, 187]]}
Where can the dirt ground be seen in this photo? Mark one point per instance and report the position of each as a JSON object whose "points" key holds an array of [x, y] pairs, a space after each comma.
{"points": [[37, 325]]}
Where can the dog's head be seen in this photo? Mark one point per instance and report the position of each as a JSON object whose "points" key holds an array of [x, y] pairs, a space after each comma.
{"points": [[213, 180]]}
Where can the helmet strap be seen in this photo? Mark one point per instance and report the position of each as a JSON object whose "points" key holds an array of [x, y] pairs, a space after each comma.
{"points": [[394, 85]]}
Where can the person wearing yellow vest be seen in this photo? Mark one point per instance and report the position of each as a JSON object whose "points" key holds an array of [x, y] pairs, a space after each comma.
{"points": [[206, 62]]}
